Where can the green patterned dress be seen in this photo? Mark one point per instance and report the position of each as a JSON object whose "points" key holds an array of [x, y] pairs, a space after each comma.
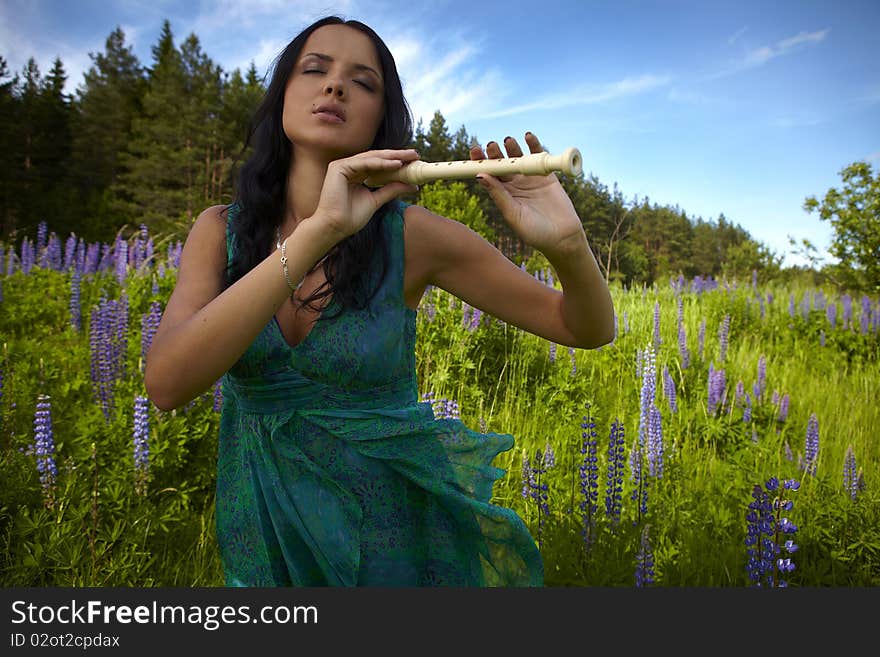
{"points": [[331, 472]]}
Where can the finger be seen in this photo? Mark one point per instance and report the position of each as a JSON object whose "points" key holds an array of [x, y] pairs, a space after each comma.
{"points": [[390, 154], [364, 165], [533, 143], [392, 190], [498, 193], [513, 149], [493, 150], [477, 153]]}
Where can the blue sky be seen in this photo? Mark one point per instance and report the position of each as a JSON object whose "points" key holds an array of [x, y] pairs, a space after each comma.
{"points": [[737, 107]]}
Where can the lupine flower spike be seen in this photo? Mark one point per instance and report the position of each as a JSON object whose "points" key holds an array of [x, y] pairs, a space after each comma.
{"points": [[589, 475], [769, 534], [645, 561]]}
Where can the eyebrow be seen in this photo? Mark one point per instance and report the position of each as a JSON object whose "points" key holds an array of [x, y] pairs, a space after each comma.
{"points": [[359, 67]]}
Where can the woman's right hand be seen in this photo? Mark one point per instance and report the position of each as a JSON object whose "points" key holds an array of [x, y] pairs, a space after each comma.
{"points": [[346, 204]]}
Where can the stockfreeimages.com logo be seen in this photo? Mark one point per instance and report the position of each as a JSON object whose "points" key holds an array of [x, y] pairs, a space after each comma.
{"points": [[211, 617]]}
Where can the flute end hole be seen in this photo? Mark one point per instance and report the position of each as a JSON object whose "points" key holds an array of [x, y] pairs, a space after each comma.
{"points": [[576, 163]]}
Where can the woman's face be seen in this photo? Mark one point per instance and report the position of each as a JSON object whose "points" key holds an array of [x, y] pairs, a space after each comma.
{"points": [[334, 100]]}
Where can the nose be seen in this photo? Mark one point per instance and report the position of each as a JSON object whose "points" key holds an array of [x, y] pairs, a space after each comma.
{"points": [[334, 89]]}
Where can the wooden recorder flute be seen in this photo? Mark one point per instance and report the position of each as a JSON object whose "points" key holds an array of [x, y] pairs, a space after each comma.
{"points": [[533, 164]]}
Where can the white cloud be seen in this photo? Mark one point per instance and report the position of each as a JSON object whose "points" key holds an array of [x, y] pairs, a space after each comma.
{"points": [[588, 95], [736, 35], [763, 54], [445, 74]]}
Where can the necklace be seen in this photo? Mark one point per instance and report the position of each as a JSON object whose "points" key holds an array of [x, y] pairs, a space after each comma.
{"points": [[278, 238]]}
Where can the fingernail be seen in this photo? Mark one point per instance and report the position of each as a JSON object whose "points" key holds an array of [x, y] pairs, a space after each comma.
{"points": [[508, 137]]}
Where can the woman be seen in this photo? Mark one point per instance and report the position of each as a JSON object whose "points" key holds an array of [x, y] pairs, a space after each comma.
{"points": [[330, 472]]}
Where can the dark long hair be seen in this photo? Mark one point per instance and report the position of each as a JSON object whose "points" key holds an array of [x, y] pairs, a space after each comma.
{"points": [[262, 183]]}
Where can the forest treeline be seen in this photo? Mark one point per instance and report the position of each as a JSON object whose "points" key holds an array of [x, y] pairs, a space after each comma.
{"points": [[154, 145]]}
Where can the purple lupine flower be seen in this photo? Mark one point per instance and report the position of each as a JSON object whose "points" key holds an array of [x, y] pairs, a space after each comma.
{"points": [[669, 390], [108, 341], [42, 232], [106, 257], [657, 339], [791, 310], [655, 443], [572, 356], [739, 392], [701, 338], [716, 386], [831, 314], [811, 449], [218, 395], [783, 407], [121, 251], [27, 255], [589, 477], [767, 533], [476, 318], [846, 301], [850, 474], [640, 482], [625, 321], [787, 453], [44, 448], [821, 338], [747, 409], [761, 385], [53, 257], [443, 408], [149, 325], [761, 307], [679, 305], [644, 561], [865, 315], [614, 479], [549, 457], [682, 346], [174, 251], [552, 353], [75, 307], [723, 332], [141, 435], [805, 305], [647, 393], [536, 488], [69, 252]]}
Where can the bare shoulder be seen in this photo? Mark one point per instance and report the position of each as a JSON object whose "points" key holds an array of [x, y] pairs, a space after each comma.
{"points": [[200, 276], [210, 224]]}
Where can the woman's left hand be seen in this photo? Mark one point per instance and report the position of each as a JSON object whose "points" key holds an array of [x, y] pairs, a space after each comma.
{"points": [[536, 207]]}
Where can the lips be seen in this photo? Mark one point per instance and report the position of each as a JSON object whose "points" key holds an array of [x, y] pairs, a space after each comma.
{"points": [[330, 112]]}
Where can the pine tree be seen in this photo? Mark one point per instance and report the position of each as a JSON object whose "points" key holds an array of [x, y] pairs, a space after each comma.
{"points": [[108, 100]]}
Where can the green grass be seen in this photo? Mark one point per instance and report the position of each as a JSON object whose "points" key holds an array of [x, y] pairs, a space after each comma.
{"points": [[97, 531]]}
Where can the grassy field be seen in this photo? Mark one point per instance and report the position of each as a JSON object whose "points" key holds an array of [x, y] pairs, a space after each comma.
{"points": [[725, 419]]}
